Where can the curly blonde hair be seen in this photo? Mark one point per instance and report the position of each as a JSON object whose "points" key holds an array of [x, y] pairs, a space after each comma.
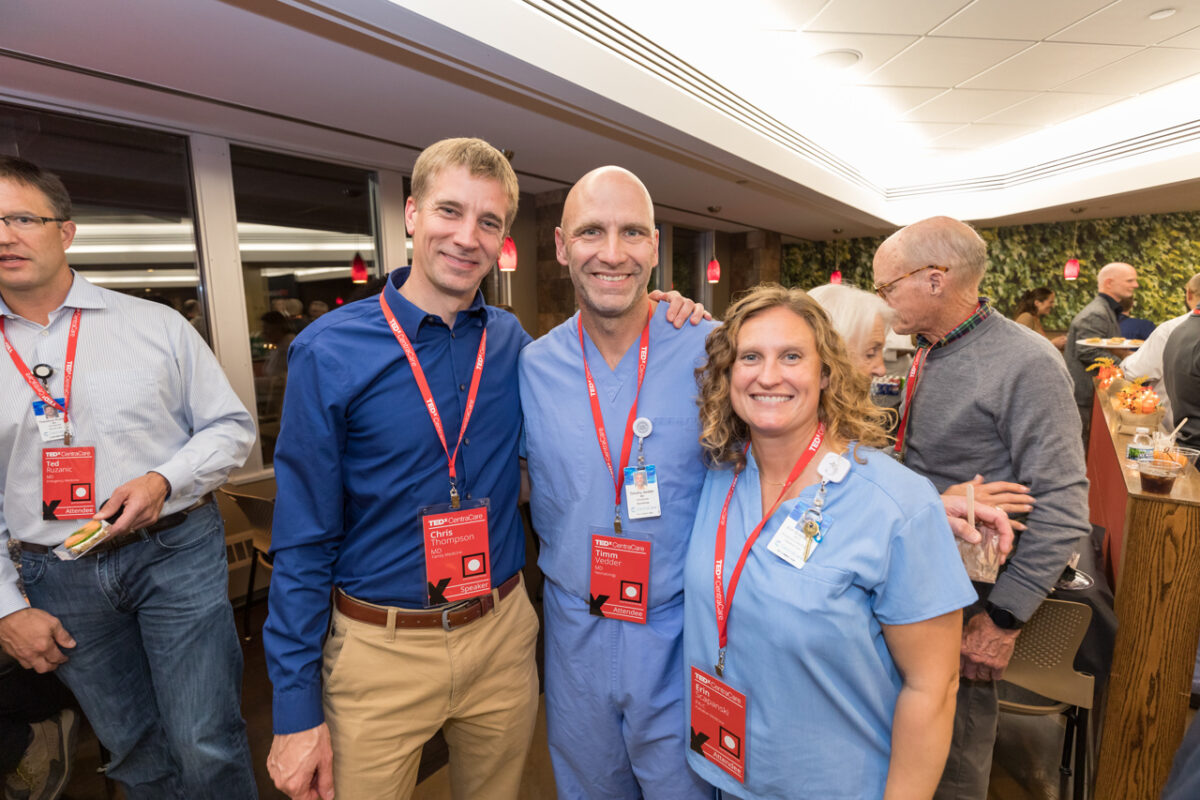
{"points": [[845, 406]]}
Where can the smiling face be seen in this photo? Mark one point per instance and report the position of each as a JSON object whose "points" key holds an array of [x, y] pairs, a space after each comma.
{"points": [[457, 231], [33, 263], [1043, 306], [608, 242], [776, 380]]}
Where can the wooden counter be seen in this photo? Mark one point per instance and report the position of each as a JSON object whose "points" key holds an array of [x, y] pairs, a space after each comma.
{"points": [[1152, 545]]}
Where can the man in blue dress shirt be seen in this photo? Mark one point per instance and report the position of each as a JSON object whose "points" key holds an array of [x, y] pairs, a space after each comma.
{"points": [[614, 671], [140, 628], [388, 424]]}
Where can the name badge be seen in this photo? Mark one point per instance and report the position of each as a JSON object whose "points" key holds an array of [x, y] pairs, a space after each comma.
{"points": [[641, 492], [457, 559], [718, 723], [51, 425], [68, 483], [620, 577], [797, 539]]}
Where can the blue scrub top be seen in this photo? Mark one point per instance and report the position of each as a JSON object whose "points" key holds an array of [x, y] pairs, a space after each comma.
{"points": [[806, 646], [571, 489]]}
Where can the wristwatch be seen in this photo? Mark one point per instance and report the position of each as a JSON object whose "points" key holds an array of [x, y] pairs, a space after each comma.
{"points": [[1002, 618]]}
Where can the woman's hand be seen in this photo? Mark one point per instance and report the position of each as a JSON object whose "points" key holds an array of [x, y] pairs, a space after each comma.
{"points": [[1011, 498]]}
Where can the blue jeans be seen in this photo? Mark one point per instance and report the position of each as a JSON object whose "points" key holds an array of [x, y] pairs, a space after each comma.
{"points": [[157, 667]]}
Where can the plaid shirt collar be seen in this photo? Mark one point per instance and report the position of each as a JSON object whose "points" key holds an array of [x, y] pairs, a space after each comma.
{"points": [[981, 312]]}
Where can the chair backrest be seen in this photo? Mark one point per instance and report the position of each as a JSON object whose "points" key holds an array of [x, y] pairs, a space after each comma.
{"points": [[258, 510], [1043, 658]]}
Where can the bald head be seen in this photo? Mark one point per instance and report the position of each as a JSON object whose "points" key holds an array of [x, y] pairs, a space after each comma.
{"points": [[944, 242], [602, 186], [1118, 280], [1193, 291]]}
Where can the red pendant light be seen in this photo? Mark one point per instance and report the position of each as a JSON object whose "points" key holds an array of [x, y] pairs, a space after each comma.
{"points": [[358, 269], [1071, 269], [835, 276], [714, 271], [508, 255]]}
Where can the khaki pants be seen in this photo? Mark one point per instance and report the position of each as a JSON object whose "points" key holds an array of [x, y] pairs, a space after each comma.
{"points": [[388, 691]]}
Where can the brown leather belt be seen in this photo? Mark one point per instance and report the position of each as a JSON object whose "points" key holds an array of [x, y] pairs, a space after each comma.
{"points": [[447, 617], [163, 524]]}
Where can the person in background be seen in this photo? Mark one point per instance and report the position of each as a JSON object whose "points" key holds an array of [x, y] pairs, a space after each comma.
{"points": [[293, 309], [38, 731], [1133, 327], [1181, 376], [989, 399], [195, 315], [139, 628], [1033, 305], [1147, 361], [316, 308], [1097, 320], [841, 622], [862, 319]]}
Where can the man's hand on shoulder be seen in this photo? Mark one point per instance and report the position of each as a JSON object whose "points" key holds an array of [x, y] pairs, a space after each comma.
{"points": [[33, 638], [680, 309], [143, 498], [986, 649], [301, 764]]}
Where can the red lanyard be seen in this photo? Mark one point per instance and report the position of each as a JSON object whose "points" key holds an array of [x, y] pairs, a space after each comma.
{"points": [[427, 396], [598, 417], [722, 600], [68, 371], [914, 372]]}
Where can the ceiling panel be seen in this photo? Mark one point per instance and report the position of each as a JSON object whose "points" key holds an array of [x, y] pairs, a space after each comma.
{"points": [[1050, 108], [925, 130], [1017, 19], [1189, 39], [873, 16], [965, 105], [1128, 22], [983, 135], [898, 99], [1145, 70], [934, 61], [876, 48], [1048, 65]]}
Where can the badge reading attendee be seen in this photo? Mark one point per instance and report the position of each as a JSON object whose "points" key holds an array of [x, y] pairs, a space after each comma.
{"points": [[51, 425], [620, 577], [68, 483], [457, 558], [641, 492], [718, 723]]}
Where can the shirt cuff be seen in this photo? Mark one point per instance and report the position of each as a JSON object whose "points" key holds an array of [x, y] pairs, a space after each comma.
{"points": [[1010, 595], [297, 710], [11, 600], [179, 478]]}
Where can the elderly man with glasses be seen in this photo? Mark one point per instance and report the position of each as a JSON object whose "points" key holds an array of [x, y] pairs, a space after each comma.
{"points": [[988, 402]]}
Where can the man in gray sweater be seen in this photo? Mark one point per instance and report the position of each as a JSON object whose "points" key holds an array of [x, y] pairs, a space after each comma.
{"points": [[1099, 319], [991, 405]]}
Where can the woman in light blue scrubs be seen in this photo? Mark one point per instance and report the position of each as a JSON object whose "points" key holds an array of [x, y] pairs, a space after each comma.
{"points": [[822, 619]]}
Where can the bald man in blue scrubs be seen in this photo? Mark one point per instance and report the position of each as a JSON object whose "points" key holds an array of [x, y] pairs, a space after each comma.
{"points": [[608, 400]]}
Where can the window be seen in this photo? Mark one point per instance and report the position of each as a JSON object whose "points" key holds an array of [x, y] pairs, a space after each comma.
{"points": [[132, 202], [307, 244]]}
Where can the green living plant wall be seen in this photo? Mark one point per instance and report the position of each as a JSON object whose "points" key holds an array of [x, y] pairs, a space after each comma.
{"points": [[1165, 249]]}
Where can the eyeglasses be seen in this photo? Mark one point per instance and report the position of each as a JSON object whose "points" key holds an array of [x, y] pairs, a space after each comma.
{"points": [[27, 222], [882, 289]]}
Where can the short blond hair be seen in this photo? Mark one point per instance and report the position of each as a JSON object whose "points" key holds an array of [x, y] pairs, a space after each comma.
{"points": [[481, 160], [845, 406]]}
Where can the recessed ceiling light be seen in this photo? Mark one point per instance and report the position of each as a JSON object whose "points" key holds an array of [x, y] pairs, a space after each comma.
{"points": [[1162, 13], [838, 59]]}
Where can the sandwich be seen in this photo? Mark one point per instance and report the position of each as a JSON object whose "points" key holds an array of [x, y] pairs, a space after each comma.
{"points": [[87, 537]]}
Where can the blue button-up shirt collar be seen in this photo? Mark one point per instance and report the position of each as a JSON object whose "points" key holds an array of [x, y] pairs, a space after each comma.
{"points": [[411, 318]]}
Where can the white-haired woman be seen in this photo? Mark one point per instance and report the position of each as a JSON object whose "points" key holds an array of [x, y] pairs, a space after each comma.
{"points": [[862, 320]]}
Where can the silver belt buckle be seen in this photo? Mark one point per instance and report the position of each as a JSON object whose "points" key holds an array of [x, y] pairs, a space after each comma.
{"points": [[459, 606]]}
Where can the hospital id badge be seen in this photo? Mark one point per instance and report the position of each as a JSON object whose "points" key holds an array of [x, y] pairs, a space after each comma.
{"points": [[718, 723], [68, 483], [620, 577], [51, 425], [797, 538], [641, 492], [457, 558]]}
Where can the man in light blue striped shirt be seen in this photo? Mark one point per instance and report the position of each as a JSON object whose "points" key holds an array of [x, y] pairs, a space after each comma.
{"points": [[140, 628]]}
